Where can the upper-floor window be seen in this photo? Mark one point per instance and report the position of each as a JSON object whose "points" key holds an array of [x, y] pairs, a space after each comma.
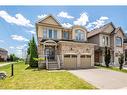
{"points": [[66, 35], [55, 34], [45, 33], [105, 40], [79, 35], [49, 33], [118, 41]]}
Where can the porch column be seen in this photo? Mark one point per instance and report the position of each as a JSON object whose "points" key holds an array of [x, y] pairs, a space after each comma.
{"points": [[43, 51], [55, 49]]}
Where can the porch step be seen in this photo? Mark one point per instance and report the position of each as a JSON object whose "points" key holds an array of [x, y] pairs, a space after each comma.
{"points": [[53, 65]]}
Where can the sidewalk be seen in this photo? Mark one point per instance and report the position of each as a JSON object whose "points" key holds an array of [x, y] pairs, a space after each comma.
{"points": [[4, 64]]}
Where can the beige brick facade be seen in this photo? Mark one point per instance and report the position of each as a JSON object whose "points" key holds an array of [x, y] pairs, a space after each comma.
{"points": [[60, 46]]}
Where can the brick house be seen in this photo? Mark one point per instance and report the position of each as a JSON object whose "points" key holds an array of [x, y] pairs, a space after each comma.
{"points": [[107, 36], [63, 48], [3, 54]]}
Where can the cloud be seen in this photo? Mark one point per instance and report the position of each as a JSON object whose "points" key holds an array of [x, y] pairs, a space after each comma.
{"points": [[42, 16], [11, 47], [20, 50], [1, 41], [82, 20], [18, 38], [65, 15], [98, 23], [104, 18], [32, 32], [18, 19], [67, 25], [21, 47]]}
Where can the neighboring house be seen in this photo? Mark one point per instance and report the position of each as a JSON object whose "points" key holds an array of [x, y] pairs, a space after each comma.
{"points": [[61, 47], [107, 36], [3, 54], [125, 49]]}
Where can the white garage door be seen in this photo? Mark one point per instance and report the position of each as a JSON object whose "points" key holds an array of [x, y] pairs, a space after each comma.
{"points": [[70, 61], [85, 61]]}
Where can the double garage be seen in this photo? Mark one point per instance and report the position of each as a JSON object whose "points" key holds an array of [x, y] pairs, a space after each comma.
{"points": [[74, 61]]}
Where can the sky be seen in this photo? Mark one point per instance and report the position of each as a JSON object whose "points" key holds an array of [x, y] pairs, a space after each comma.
{"points": [[17, 23]]}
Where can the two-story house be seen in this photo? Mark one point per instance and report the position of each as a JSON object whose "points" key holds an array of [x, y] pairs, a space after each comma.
{"points": [[107, 36], [125, 49], [3, 54], [61, 47]]}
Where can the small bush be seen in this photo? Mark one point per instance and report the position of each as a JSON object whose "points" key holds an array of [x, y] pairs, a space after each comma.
{"points": [[39, 59]]}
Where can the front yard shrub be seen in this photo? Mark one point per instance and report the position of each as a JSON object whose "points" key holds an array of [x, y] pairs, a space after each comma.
{"points": [[39, 59], [32, 53], [121, 61], [107, 56]]}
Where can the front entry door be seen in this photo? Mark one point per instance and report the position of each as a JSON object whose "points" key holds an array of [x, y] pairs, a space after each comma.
{"points": [[50, 53]]}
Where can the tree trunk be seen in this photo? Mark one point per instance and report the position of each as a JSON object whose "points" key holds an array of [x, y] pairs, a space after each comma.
{"points": [[121, 67], [107, 65]]}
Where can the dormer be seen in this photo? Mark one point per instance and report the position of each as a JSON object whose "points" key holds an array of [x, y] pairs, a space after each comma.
{"points": [[79, 33]]}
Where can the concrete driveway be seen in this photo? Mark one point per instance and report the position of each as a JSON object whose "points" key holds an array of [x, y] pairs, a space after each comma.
{"points": [[103, 78]]}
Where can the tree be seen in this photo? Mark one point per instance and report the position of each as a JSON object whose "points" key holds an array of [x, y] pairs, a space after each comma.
{"points": [[13, 57], [107, 56], [28, 53], [121, 61], [32, 51]]}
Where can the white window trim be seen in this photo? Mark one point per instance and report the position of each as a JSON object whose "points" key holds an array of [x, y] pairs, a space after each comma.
{"points": [[84, 36], [64, 35], [47, 30], [121, 41]]}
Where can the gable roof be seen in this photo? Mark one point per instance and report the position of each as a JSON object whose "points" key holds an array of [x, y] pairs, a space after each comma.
{"points": [[119, 28], [99, 30], [41, 20]]}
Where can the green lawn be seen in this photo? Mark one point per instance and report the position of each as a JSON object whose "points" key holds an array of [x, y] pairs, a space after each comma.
{"points": [[43, 79], [113, 68]]}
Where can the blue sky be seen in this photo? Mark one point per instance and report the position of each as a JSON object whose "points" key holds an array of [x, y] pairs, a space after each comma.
{"points": [[17, 23]]}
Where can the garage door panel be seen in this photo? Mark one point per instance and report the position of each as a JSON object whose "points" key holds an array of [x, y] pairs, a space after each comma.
{"points": [[85, 61], [70, 61]]}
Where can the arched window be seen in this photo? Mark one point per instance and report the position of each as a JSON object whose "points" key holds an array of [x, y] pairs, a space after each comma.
{"points": [[118, 41], [79, 35]]}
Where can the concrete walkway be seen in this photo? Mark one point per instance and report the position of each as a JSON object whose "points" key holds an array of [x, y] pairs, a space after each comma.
{"points": [[103, 78], [125, 66], [4, 64]]}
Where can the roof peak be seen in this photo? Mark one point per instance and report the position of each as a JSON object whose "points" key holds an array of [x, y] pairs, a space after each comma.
{"points": [[50, 15], [110, 23]]}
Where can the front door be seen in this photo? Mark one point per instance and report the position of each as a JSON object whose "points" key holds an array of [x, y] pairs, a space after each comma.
{"points": [[50, 52]]}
